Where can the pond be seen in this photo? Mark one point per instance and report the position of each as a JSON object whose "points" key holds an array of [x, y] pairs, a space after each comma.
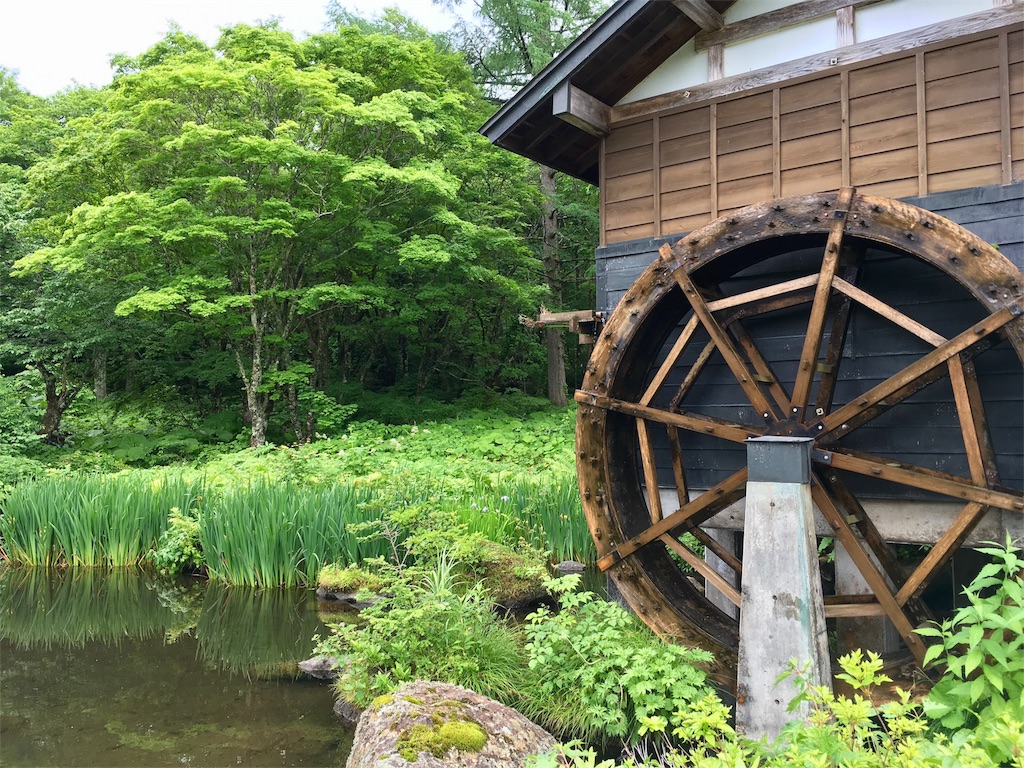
{"points": [[123, 669]]}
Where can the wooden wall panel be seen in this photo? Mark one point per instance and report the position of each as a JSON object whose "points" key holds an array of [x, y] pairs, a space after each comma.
{"points": [[912, 123]]}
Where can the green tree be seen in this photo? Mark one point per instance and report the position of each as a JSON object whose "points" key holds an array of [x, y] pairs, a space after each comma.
{"points": [[275, 193], [507, 43]]}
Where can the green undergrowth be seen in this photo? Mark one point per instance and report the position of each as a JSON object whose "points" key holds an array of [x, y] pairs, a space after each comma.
{"points": [[507, 479], [973, 717]]}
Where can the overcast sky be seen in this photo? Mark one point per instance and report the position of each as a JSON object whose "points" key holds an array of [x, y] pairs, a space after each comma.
{"points": [[55, 42]]}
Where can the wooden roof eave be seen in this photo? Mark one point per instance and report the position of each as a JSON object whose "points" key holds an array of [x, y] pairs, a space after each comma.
{"points": [[527, 123]]}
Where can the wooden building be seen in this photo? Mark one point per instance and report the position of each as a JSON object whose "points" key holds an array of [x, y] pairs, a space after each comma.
{"points": [[687, 111]]}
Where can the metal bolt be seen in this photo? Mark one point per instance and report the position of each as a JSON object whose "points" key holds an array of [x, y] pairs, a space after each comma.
{"points": [[764, 415], [819, 411], [796, 410], [821, 427]]}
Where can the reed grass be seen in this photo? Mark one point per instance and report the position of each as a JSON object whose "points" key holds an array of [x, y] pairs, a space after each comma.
{"points": [[546, 511], [90, 520], [266, 535]]}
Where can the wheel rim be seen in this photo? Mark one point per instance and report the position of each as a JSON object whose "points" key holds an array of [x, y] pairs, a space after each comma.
{"points": [[706, 318]]}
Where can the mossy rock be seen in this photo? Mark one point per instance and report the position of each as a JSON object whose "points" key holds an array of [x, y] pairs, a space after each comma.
{"points": [[512, 578], [348, 580], [437, 725]]}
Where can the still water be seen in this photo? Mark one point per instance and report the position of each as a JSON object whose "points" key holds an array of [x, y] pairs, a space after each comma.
{"points": [[121, 669]]}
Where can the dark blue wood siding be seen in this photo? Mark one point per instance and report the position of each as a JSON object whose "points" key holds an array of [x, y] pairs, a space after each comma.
{"points": [[924, 430]]}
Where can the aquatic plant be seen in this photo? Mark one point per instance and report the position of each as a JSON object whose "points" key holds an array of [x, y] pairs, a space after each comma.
{"points": [[87, 520], [264, 534]]}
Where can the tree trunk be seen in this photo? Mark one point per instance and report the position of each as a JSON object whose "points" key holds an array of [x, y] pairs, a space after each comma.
{"points": [[99, 373], [57, 402], [552, 274]]}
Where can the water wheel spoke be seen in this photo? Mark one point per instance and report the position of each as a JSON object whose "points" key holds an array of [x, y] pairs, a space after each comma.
{"points": [[707, 425], [705, 506], [923, 478], [650, 471], [678, 471], [874, 578], [973, 425], [713, 577], [765, 374], [692, 374], [908, 390], [884, 552], [755, 300], [819, 306], [843, 306], [878, 306], [920, 368], [941, 553], [725, 346], [670, 360]]}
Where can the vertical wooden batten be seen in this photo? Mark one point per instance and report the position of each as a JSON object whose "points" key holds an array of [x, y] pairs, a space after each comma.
{"points": [[844, 122], [922, 129], [714, 161], [656, 172], [776, 144], [602, 221], [845, 34], [1006, 148]]}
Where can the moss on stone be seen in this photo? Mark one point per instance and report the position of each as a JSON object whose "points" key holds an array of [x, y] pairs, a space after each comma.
{"points": [[510, 575], [334, 578], [382, 701], [438, 739], [413, 700]]}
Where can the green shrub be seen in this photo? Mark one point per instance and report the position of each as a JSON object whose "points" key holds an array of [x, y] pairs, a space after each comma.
{"points": [[179, 550], [337, 578], [981, 649], [428, 629], [602, 673]]}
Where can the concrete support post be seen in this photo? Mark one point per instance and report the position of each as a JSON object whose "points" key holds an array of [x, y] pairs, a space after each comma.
{"points": [[782, 615], [870, 633], [727, 539]]}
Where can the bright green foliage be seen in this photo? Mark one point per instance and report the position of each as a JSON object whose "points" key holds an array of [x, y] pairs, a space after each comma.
{"points": [[982, 651], [179, 549], [602, 672], [91, 520], [432, 628], [840, 731]]}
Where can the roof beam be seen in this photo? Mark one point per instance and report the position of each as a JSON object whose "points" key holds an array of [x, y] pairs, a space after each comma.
{"points": [[771, 21], [707, 18], [579, 108]]}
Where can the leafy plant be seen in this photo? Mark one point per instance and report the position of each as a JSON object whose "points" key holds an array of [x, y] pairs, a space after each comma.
{"points": [[179, 549], [981, 649], [603, 672], [429, 629]]}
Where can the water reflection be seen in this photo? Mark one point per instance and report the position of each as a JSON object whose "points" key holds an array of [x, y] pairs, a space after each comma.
{"points": [[120, 669]]}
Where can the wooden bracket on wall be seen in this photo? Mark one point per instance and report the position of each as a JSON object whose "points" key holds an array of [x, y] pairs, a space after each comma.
{"points": [[579, 108]]}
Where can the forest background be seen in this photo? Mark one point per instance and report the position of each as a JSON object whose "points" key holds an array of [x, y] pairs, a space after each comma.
{"points": [[260, 240]]}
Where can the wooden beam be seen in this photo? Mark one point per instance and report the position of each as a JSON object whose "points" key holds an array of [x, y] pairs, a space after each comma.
{"points": [[772, 21], [706, 425], [579, 108], [707, 18], [844, 27], [985, 21]]}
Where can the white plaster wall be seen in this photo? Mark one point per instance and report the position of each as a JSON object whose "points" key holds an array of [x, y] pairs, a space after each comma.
{"points": [[894, 16], [779, 47], [687, 67], [682, 69]]}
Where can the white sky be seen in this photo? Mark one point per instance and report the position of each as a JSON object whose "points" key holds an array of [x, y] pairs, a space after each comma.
{"points": [[52, 43]]}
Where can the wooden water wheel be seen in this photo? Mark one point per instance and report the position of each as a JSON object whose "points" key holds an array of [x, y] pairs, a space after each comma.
{"points": [[885, 332]]}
